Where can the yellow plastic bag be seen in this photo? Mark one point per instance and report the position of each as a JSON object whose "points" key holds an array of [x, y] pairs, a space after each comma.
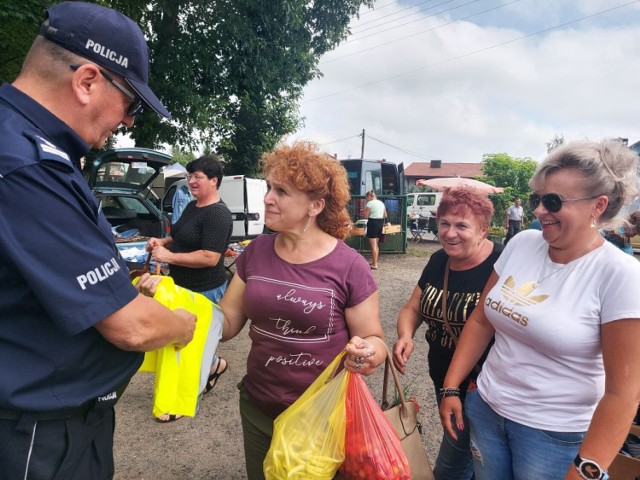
{"points": [[181, 374], [308, 437]]}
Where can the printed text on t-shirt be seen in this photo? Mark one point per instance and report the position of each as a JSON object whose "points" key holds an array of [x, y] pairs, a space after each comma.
{"points": [[284, 325], [295, 359], [290, 296]]}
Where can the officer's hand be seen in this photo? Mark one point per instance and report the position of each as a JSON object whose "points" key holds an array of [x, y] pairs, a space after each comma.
{"points": [[148, 284], [189, 327]]}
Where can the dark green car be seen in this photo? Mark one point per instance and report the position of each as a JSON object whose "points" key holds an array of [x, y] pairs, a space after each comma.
{"points": [[122, 180]]}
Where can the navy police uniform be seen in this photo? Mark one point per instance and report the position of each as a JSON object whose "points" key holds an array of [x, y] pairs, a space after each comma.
{"points": [[60, 274]]}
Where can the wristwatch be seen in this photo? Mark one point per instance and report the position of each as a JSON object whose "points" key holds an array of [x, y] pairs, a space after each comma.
{"points": [[589, 469]]}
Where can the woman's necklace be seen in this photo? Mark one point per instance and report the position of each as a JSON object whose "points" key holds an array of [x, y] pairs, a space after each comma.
{"points": [[555, 269]]}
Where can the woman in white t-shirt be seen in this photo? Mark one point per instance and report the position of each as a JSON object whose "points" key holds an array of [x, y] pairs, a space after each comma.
{"points": [[376, 214], [564, 306]]}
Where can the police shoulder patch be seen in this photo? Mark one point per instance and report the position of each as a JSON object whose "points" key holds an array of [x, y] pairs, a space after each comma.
{"points": [[48, 151]]}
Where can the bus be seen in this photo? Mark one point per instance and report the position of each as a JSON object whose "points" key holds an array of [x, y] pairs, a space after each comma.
{"points": [[384, 178]]}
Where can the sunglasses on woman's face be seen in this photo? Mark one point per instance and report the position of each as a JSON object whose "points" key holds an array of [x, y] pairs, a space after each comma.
{"points": [[552, 201]]}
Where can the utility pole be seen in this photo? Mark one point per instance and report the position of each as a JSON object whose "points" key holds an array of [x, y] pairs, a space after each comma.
{"points": [[362, 150]]}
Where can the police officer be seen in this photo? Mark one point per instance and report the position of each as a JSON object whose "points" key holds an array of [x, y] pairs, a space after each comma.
{"points": [[72, 327]]}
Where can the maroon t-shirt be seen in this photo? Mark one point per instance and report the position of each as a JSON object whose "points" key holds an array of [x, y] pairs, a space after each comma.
{"points": [[296, 313]]}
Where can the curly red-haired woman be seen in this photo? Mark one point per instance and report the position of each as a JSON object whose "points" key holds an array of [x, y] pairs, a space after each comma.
{"points": [[306, 292]]}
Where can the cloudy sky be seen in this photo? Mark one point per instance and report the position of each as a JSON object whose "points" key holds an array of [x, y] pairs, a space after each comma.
{"points": [[456, 79]]}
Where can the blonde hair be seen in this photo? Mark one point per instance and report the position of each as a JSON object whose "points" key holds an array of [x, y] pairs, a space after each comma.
{"points": [[607, 168]]}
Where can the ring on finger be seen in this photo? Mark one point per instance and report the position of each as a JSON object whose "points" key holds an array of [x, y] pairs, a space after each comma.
{"points": [[359, 361]]}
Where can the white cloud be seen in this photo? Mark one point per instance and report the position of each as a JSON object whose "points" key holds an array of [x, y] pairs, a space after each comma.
{"points": [[477, 86]]}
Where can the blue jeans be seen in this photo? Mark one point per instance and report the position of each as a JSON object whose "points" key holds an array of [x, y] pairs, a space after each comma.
{"points": [[508, 450], [454, 461], [215, 294]]}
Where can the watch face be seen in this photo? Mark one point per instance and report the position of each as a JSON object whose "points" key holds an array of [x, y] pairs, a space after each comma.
{"points": [[590, 470]]}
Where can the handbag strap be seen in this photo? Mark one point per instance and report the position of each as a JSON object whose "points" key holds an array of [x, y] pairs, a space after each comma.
{"points": [[138, 273], [147, 262], [445, 292], [389, 367], [445, 316]]}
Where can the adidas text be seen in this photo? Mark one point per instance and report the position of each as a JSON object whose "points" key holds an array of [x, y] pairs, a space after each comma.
{"points": [[506, 311]]}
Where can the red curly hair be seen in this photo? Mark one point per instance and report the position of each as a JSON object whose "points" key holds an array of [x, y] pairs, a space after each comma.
{"points": [[463, 200], [317, 175]]}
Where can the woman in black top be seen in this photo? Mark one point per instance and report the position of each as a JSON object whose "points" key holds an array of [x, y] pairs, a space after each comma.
{"points": [[199, 239], [463, 218]]}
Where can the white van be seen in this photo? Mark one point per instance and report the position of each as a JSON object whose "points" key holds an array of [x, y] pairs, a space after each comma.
{"points": [[423, 204], [245, 198]]}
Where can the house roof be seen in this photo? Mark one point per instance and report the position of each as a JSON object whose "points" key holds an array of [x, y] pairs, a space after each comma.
{"points": [[446, 169]]}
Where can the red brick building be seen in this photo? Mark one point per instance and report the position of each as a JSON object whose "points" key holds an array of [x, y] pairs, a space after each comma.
{"points": [[439, 169]]}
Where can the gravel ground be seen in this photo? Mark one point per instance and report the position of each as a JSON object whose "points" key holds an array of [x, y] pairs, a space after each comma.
{"points": [[209, 446]]}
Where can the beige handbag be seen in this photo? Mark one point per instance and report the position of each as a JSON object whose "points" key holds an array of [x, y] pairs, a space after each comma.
{"points": [[404, 419]]}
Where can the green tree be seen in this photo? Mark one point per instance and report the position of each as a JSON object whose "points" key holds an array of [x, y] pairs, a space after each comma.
{"points": [[234, 70], [182, 156], [20, 22], [513, 174], [231, 72]]}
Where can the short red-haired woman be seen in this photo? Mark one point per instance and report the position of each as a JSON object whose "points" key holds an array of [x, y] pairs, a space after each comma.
{"points": [[466, 261]]}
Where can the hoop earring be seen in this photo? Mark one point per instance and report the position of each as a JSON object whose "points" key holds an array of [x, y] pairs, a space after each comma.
{"points": [[304, 230]]}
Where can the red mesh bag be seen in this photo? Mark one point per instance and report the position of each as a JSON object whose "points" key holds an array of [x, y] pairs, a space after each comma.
{"points": [[372, 447]]}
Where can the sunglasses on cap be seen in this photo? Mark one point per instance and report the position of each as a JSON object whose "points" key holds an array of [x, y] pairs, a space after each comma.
{"points": [[135, 107], [552, 201]]}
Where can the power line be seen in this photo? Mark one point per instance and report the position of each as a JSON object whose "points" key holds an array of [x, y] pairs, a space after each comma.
{"points": [[392, 14], [403, 150], [419, 33], [379, 8], [408, 152], [341, 139], [468, 54], [413, 21]]}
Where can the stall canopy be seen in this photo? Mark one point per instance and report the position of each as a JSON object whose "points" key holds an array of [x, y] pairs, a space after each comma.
{"points": [[174, 169], [440, 184]]}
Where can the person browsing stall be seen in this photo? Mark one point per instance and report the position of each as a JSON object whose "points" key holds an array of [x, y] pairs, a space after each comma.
{"points": [[514, 219], [376, 215], [197, 244], [459, 272], [560, 385], [72, 326], [306, 293]]}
